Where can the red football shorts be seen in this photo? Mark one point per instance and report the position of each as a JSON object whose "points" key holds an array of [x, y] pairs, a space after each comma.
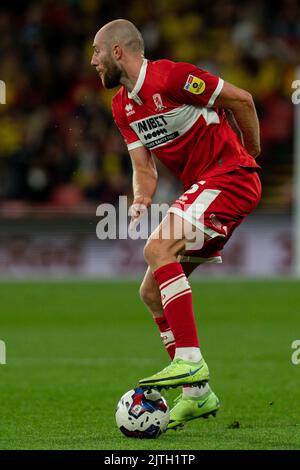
{"points": [[216, 206]]}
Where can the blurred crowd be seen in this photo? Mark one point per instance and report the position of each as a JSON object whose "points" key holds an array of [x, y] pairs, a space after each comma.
{"points": [[58, 143]]}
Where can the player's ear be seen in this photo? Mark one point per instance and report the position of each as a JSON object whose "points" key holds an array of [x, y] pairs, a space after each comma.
{"points": [[117, 51]]}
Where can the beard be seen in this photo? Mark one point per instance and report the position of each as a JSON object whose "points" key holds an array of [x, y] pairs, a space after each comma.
{"points": [[112, 75]]}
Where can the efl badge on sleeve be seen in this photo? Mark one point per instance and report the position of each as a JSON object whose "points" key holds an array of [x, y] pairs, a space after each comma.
{"points": [[194, 85]]}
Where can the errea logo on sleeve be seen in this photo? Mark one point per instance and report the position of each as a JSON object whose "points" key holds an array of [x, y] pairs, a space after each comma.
{"points": [[194, 85]]}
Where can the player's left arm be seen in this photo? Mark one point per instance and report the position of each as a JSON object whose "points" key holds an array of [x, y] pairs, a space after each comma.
{"points": [[241, 103], [188, 84], [233, 124]]}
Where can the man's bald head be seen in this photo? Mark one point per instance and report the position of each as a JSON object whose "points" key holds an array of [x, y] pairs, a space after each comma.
{"points": [[118, 50], [124, 33]]}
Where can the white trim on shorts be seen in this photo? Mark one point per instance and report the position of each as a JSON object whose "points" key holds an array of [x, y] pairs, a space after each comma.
{"points": [[198, 260], [202, 202], [207, 230]]}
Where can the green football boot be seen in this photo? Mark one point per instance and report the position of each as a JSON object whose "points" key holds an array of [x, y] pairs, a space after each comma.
{"points": [[179, 372], [187, 408]]}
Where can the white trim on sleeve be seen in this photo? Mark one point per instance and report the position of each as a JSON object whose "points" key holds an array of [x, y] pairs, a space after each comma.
{"points": [[135, 145], [216, 92]]}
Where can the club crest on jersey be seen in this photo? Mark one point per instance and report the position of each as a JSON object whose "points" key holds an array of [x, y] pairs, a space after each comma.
{"points": [[129, 109], [158, 102], [194, 85]]}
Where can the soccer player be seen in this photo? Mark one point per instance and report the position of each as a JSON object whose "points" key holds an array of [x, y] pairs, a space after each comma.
{"points": [[179, 113]]}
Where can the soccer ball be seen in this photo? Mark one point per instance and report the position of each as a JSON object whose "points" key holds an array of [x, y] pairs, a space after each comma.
{"points": [[142, 413]]}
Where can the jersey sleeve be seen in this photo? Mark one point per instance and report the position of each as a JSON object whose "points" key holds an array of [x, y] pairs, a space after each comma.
{"points": [[188, 84], [131, 139]]}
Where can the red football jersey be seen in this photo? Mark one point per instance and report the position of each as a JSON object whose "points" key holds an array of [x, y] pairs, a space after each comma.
{"points": [[170, 111]]}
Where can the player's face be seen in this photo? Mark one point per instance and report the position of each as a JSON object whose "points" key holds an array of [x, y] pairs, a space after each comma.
{"points": [[105, 65]]}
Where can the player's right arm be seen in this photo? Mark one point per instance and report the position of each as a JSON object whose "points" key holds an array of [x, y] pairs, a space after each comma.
{"points": [[144, 181], [144, 178]]}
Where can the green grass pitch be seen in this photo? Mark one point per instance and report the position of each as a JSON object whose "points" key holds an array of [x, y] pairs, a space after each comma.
{"points": [[74, 348]]}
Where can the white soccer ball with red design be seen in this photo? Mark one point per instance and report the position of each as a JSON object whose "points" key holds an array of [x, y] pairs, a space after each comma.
{"points": [[142, 414]]}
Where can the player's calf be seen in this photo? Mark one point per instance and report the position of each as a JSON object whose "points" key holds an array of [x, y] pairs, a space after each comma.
{"points": [[151, 298]]}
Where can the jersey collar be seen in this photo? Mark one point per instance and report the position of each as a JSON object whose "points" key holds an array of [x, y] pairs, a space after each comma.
{"points": [[133, 95]]}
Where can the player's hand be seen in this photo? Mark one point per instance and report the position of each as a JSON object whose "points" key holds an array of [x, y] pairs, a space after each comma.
{"points": [[137, 210]]}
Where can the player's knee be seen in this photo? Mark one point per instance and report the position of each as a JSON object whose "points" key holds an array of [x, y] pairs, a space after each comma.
{"points": [[148, 252], [152, 251]]}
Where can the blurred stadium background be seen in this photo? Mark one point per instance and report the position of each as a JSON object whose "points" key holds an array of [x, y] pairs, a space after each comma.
{"points": [[61, 155]]}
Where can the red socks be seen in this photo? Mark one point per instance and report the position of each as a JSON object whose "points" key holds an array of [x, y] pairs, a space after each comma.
{"points": [[176, 295]]}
